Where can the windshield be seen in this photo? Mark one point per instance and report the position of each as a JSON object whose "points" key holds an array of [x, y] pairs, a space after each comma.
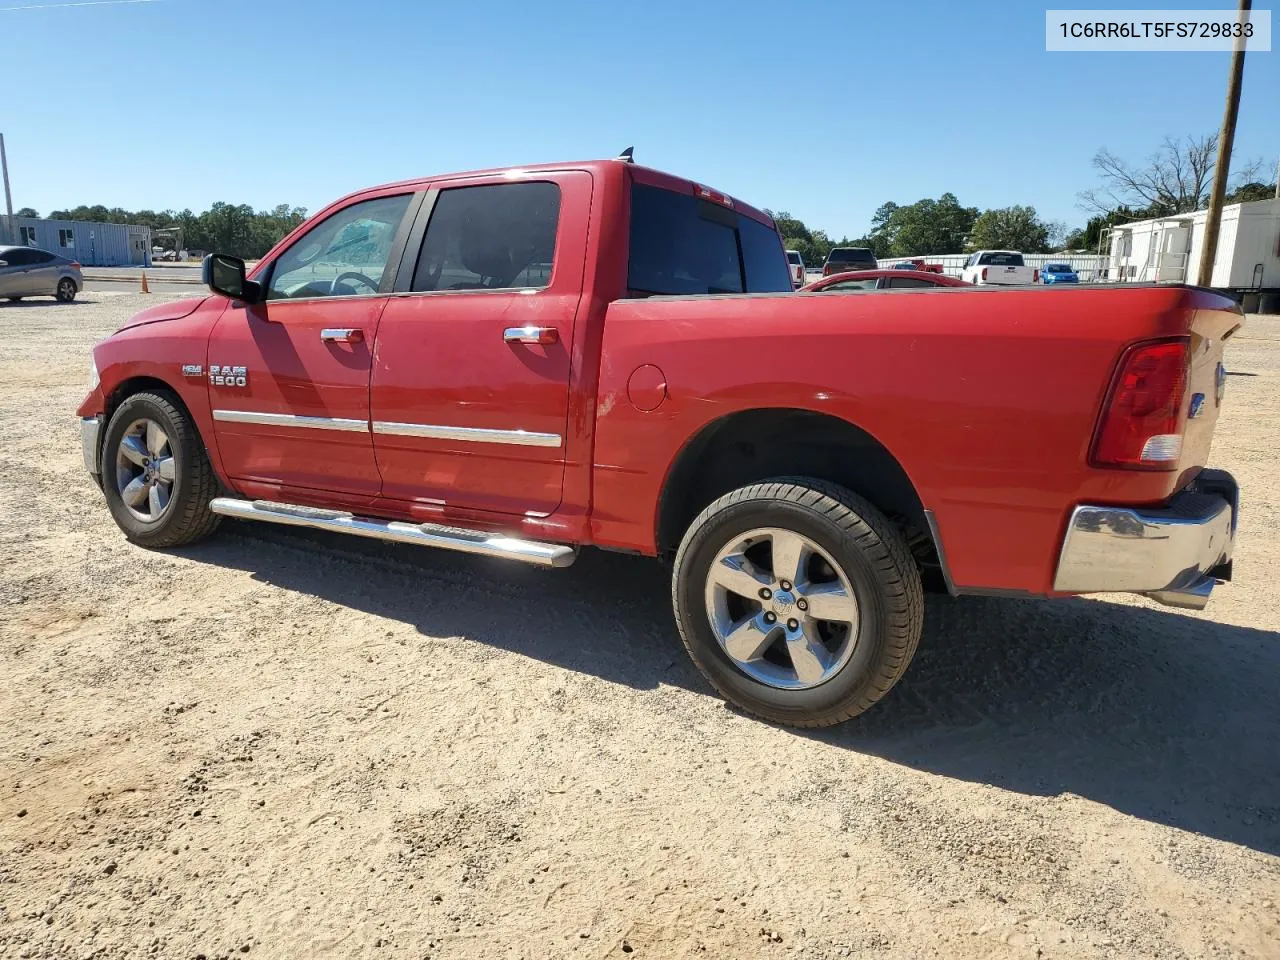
{"points": [[1057, 268], [794, 257]]}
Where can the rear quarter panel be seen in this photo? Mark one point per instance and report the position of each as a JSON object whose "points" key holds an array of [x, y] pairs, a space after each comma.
{"points": [[987, 398]]}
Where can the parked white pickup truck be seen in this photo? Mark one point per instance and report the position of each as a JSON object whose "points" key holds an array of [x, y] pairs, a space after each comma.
{"points": [[998, 267]]}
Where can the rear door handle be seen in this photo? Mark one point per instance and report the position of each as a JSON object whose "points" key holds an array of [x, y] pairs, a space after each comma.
{"points": [[531, 335], [342, 335]]}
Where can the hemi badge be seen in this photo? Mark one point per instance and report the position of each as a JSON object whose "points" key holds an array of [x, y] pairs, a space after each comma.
{"points": [[192, 370]]}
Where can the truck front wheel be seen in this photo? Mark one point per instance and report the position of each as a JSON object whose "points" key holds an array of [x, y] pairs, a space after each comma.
{"points": [[155, 473], [798, 600]]}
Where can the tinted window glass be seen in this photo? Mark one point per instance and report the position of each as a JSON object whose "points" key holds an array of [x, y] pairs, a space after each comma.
{"points": [[898, 283], [343, 256], [1058, 268], [16, 257], [490, 238], [794, 258], [853, 285], [683, 245], [40, 256], [1001, 260], [766, 270]]}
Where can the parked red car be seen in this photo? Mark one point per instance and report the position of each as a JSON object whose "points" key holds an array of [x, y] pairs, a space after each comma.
{"points": [[883, 280], [520, 363]]}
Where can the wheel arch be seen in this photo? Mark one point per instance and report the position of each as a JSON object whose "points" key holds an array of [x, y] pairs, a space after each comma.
{"points": [[751, 445], [146, 383]]}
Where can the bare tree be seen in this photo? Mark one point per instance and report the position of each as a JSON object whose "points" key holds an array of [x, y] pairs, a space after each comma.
{"points": [[1174, 179]]}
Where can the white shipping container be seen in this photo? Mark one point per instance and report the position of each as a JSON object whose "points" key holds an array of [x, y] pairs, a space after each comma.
{"points": [[1167, 249]]}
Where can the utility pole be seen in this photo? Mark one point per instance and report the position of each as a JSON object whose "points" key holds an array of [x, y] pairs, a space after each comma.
{"points": [[1226, 139], [8, 197], [1278, 179]]}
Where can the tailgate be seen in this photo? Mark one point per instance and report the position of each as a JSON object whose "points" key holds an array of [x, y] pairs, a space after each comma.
{"points": [[1008, 274], [1210, 329]]}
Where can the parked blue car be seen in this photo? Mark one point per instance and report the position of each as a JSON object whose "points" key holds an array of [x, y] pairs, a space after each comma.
{"points": [[1058, 273]]}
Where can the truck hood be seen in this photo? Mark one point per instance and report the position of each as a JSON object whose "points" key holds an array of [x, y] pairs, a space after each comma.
{"points": [[174, 310]]}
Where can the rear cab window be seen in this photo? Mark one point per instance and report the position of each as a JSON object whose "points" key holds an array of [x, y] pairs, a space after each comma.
{"points": [[682, 245], [1000, 260]]}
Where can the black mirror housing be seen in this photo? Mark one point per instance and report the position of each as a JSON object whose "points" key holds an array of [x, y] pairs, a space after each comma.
{"points": [[225, 274]]}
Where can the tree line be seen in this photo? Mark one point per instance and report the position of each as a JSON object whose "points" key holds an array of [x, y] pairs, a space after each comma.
{"points": [[231, 228], [1174, 179]]}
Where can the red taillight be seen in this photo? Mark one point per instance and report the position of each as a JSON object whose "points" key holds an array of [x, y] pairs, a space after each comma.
{"points": [[826, 269], [984, 273], [75, 264], [1146, 409], [1035, 276]]}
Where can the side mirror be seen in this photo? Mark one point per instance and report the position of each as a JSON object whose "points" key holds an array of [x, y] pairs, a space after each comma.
{"points": [[225, 274], [4, 263]]}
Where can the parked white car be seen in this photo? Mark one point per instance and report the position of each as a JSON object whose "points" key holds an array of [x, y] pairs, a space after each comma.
{"points": [[1004, 267], [796, 263]]}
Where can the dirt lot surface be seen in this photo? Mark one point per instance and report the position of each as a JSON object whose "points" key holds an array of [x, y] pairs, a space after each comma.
{"points": [[285, 745]]}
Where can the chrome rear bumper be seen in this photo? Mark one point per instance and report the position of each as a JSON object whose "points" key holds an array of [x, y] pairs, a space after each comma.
{"points": [[1174, 554]]}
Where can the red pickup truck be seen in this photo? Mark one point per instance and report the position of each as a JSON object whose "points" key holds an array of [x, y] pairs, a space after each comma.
{"points": [[519, 363]]}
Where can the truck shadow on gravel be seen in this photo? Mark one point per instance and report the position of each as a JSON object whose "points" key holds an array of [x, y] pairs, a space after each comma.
{"points": [[1167, 717]]}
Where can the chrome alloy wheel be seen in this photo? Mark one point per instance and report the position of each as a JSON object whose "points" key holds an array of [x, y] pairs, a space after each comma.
{"points": [[782, 609], [145, 470]]}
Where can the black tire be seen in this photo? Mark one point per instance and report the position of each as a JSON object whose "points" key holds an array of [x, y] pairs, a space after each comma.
{"points": [[14, 299], [187, 517], [66, 291], [870, 551]]}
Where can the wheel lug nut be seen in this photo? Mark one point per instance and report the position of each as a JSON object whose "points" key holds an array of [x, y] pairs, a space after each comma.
{"points": [[785, 584], [802, 603], [793, 624], [770, 617], [765, 593]]}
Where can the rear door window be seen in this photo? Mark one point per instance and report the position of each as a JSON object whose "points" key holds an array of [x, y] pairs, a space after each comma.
{"points": [[681, 245], [898, 283], [492, 237]]}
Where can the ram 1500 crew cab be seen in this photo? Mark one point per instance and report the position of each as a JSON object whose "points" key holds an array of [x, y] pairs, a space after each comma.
{"points": [[521, 363]]}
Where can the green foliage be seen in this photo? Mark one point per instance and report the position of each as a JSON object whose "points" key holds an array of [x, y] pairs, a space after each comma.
{"points": [[813, 245], [236, 229], [1247, 192], [926, 226], [26, 212], [1010, 228]]}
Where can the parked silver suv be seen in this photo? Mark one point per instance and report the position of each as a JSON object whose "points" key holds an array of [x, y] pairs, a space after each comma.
{"points": [[28, 272]]}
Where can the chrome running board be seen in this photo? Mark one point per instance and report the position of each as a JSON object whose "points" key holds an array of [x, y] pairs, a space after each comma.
{"points": [[422, 534]]}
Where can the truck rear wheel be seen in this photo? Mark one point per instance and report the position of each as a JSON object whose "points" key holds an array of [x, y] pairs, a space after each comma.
{"points": [[798, 601], [155, 473]]}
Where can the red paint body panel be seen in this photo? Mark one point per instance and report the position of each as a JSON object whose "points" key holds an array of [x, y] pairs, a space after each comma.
{"points": [[291, 371], [988, 398], [441, 359]]}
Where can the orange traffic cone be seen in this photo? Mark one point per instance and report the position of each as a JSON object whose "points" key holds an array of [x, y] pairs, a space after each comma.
{"points": [[145, 288]]}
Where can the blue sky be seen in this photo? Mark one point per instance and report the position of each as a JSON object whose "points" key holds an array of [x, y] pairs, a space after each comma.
{"points": [[823, 109]]}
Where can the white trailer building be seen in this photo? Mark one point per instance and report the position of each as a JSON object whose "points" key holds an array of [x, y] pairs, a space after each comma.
{"points": [[1167, 250]]}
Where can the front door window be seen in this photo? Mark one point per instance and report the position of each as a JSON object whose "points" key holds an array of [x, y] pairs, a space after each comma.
{"points": [[344, 256]]}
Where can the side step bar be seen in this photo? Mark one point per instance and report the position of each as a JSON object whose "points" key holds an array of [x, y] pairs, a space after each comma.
{"points": [[423, 534]]}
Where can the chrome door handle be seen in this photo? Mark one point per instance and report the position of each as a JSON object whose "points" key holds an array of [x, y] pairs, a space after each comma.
{"points": [[340, 335], [531, 335]]}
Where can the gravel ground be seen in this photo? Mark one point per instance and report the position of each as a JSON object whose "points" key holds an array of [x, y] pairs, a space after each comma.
{"points": [[290, 745]]}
